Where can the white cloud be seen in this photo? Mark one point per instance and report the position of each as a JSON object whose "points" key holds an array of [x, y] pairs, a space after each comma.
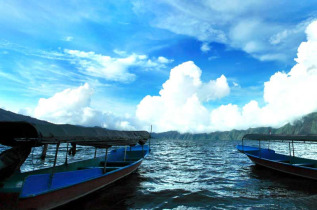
{"points": [[26, 111], [287, 96], [162, 59], [205, 47], [73, 106], [182, 24], [65, 106], [120, 52], [68, 38], [235, 84], [114, 69], [283, 36], [226, 116], [180, 104], [214, 57], [256, 27]]}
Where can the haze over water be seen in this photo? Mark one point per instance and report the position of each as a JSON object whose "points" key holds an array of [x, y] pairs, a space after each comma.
{"points": [[203, 174]]}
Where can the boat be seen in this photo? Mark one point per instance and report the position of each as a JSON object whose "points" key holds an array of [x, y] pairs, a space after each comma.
{"points": [[290, 164], [57, 185]]}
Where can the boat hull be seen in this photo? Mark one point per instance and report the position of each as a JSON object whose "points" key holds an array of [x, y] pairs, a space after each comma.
{"points": [[43, 189], [287, 164], [285, 168], [59, 197]]}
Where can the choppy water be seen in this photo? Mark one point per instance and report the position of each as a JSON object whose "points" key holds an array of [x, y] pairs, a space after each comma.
{"points": [[186, 174]]}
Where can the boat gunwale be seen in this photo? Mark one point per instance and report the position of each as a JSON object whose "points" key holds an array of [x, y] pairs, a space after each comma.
{"points": [[280, 137]]}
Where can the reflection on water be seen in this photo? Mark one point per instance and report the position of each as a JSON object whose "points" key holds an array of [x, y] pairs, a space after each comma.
{"points": [[203, 174]]}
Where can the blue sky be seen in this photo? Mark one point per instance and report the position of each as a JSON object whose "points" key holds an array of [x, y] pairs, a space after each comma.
{"points": [[192, 66]]}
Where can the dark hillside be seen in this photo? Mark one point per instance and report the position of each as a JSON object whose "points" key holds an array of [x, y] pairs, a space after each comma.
{"points": [[307, 125], [11, 116]]}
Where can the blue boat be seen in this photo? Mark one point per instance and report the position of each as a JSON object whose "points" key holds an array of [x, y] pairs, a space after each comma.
{"points": [[52, 187], [289, 164]]}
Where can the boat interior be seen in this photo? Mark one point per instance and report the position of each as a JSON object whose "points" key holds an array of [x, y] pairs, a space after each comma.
{"points": [[72, 173]]}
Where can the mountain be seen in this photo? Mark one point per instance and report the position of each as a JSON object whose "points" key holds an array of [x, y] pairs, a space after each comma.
{"points": [[224, 135], [306, 125], [11, 116]]}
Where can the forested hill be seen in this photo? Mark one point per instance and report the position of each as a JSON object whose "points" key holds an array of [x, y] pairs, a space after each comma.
{"points": [[307, 125], [11, 116]]}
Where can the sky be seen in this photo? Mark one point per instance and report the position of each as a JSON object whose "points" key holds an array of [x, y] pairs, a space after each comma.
{"points": [[190, 66]]}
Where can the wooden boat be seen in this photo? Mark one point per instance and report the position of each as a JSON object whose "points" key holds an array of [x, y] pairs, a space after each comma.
{"points": [[51, 187], [289, 164]]}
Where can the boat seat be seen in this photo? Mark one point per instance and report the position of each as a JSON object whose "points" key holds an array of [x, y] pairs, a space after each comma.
{"points": [[304, 164]]}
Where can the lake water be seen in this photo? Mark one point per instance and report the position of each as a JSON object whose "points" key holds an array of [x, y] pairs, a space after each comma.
{"points": [[187, 174]]}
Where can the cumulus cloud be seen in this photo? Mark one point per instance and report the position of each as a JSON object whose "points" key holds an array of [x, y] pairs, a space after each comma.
{"points": [[72, 106], [287, 96], [182, 102], [65, 106], [251, 26], [179, 105], [111, 68], [293, 94]]}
